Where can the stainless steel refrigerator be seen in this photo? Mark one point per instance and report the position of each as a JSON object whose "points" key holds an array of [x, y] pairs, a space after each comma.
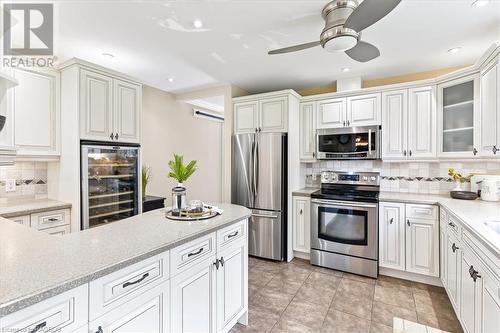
{"points": [[259, 178], [110, 183]]}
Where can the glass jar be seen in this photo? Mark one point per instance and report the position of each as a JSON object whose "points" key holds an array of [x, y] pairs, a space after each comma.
{"points": [[178, 200]]}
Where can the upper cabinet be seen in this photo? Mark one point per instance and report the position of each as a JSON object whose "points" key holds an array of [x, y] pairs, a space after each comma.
{"points": [[263, 113], [458, 118], [490, 110], [362, 110], [307, 134], [109, 108], [37, 114], [409, 124]]}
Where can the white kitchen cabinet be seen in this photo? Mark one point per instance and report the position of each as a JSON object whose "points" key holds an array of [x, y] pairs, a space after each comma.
{"points": [[96, 106], [442, 256], [37, 114], [489, 303], [307, 134], [458, 118], [331, 113], [470, 290], [452, 252], [148, 313], [58, 231], [23, 220], [273, 114], [246, 117], [422, 123], [364, 110], [394, 119], [231, 293], [301, 224], [193, 298], [490, 111], [392, 235], [127, 107], [422, 246]]}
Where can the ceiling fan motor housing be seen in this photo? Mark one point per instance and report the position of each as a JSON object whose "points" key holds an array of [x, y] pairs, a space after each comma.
{"points": [[335, 37]]}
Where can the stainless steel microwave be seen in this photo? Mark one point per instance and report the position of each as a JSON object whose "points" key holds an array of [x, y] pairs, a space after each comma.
{"points": [[349, 143]]}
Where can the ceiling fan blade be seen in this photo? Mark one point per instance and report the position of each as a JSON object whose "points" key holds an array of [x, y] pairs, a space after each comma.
{"points": [[295, 48], [369, 12], [363, 52]]}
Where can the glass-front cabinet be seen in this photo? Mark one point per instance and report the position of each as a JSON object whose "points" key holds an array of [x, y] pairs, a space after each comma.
{"points": [[110, 184], [458, 117]]}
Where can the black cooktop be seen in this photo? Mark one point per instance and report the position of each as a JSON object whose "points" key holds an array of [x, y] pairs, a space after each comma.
{"points": [[344, 192]]}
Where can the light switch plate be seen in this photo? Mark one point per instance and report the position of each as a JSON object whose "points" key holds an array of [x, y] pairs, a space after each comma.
{"points": [[10, 185]]}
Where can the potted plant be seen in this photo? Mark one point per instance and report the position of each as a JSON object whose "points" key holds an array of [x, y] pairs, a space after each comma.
{"points": [[146, 174], [180, 172]]}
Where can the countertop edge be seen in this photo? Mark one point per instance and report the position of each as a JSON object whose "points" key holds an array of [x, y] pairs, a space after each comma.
{"points": [[63, 205], [39, 296]]}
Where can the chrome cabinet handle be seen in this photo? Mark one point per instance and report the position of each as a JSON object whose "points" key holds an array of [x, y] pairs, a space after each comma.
{"points": [[495, 149], [38, 327], [126, 284], [300, 212], [451, 224], [111, 136], [195, 253], [474, 151], [233, 234], [473, 273], [408, 223], [348, 123], [221, 261], [256, 129], [410, 153], [404, 152], [216, 264], [116, 136], [99, 330], [391, 220], [314, 154], [454, 248]]}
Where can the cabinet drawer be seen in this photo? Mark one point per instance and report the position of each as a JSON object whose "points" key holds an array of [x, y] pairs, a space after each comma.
{"points": [[453, 224], [50, 219], [422, 211], [121, 286], [186, 255], [230, 234], [24, 220], [62, 313], [57, 231]]}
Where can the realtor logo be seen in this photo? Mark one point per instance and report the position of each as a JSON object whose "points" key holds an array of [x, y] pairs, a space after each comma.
{"points": [[28, 29]]}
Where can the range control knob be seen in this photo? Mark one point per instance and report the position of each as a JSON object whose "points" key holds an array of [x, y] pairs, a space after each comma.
{"points": [[365, 178], [373, 178]]}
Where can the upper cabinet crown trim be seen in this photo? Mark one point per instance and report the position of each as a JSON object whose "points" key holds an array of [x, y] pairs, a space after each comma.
{"points": [[279, 93]]}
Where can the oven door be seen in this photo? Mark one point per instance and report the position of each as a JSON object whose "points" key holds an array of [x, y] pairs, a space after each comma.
{"points": [[345, 227]]}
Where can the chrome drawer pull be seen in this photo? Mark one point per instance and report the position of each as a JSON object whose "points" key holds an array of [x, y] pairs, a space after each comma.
{"points": [[391, 220], [233, 234], [195, 253], [99, 330], [38, 327], [451, 224], [454, 247], [126, 284], [221, 261], [52, 219]]}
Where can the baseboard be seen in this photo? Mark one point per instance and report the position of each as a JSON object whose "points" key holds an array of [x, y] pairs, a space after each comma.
{"points": [[302, 255], [410, 276]]}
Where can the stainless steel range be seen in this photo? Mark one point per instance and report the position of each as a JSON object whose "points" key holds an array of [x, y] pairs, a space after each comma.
{"points": [[344, 222]]}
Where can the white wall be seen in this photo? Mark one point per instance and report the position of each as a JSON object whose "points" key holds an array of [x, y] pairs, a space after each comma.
{"points": [[168, 126]]}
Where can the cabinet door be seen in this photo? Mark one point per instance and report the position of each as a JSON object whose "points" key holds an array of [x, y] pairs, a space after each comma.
{"points": [[422, 246], [58, 231], [96, 109], [301, 224], [469, 293], [37, 113], [489, 320], [246, 117], [392, 235], [307, 134], [273, 115], [442, 256], [489, 111], [193, 299], [422, 123], [231, 285], [148, 313], [452, 265], [394, 124], [127, 115], [331, 113], [24, 220], [364, 110]]}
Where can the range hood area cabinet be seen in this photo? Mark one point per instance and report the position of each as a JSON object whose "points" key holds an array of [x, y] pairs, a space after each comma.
{"points": [[7, 149]]}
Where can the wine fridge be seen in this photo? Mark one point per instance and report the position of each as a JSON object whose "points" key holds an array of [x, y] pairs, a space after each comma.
{"points": [[110, 183]]}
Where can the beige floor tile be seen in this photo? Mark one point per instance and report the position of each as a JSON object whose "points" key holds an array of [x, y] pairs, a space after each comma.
{"points": [[272, 267], [359, 278], [259, 320], [434, 304], [274, 302], [307, 314], [313, 294], [352, 304], [324, 281], [258, 277], [394, 297], [328, 271], [384, 313], [422, 287], [290, 326], [441, 323], [340, 322], [379, 328], [280, 284], [391, 282], [357, 288], [293, 272]]}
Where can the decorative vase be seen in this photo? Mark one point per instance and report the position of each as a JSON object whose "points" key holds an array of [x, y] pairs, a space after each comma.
{"points": [[178, 199]]}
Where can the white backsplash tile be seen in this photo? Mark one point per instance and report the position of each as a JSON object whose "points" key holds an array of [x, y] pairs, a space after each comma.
{"points": [[31, 180]]}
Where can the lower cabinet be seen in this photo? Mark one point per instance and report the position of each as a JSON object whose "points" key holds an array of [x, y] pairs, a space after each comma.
{"points": [[301, 228], [407, 241], [52, 222], [452, 269]]}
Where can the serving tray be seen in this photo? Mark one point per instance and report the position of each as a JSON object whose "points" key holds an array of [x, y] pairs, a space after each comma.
{"points": [[186, 216], [463, 195]]}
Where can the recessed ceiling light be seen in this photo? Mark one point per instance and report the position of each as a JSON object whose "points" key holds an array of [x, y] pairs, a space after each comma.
{"points": [[345, 69], [197, 24], [170, 79], [480, 3], [108, 55], [455, 50]]}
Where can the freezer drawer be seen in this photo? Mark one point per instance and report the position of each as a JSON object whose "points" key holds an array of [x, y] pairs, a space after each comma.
{"points": [[265, 235]]}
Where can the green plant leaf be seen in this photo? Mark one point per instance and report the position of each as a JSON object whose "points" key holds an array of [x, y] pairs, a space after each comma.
{"points": [[179, 171]]}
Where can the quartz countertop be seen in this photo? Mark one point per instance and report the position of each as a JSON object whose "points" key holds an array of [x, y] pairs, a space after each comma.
{"points": [[305, 192], [35, 266], [29, 206]]}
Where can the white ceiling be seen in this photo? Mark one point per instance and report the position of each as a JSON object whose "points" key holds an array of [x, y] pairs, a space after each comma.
{"points": [[155, 40]]}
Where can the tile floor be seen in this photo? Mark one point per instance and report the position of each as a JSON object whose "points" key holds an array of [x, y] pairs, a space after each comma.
{"points": [[299, 297]]}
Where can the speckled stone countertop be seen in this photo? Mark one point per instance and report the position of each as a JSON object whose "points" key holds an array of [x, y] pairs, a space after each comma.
{"points": [[35, 266], [29, 206], [473, 213], [305, 192]]}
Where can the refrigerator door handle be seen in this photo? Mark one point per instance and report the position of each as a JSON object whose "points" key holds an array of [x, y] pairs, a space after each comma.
{"points": [[255, 153], [265, 216]]}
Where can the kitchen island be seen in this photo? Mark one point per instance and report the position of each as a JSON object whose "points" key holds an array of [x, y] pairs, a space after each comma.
{"points": [[103, 277]]}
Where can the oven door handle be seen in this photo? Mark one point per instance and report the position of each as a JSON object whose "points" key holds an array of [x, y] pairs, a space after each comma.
{"points": [[369, 142], [339, 203]]}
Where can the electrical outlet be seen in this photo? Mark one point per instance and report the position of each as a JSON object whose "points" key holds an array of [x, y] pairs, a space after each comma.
{"points": [[10, 185]]}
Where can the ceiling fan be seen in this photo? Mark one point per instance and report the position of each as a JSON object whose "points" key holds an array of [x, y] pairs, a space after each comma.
{"points": [[344, 21]]}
